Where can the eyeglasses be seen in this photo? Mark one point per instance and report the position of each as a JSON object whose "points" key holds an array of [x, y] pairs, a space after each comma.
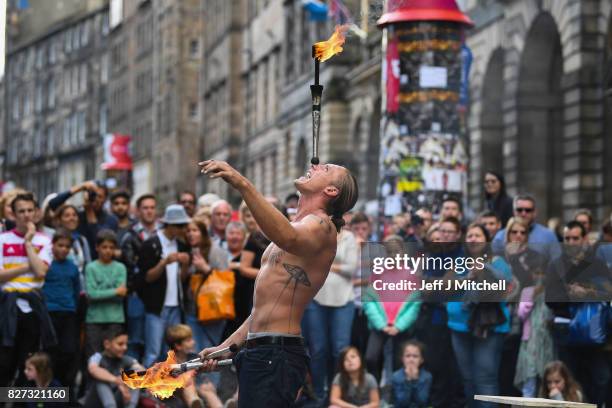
{"points": [[525, 210], [518, 232]]}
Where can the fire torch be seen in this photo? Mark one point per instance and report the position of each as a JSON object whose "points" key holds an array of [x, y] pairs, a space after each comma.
{"points": [[322, 51]]}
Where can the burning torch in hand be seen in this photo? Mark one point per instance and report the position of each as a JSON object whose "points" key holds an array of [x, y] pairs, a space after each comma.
{"points": [[197, 363], [322, 51], [163, 378]]}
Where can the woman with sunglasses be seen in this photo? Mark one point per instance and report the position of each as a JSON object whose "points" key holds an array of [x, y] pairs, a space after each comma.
{"points": [[526, 263], [496, 198], [480, 320]]}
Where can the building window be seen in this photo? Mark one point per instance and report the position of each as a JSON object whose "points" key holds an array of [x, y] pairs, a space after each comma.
{"points": [[27, 107], [68, 40], [15, 109], [40, 57], [37, 143], [39, 98], [66, 133], [53, 50], [85, 27], [75, 38], [305, 44], [67, 84], [103, 119], [104, 28], [194, 48], [83, 79], [51, 93], [193, 111], [289, 55], [74, 130], [30, 63], [50, 140], [287, 153], [82, 126], [104, 68], [75, 81], [265, 97]]}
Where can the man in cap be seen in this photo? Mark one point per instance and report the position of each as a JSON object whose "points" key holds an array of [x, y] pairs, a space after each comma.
{"points": [[163, 263]]}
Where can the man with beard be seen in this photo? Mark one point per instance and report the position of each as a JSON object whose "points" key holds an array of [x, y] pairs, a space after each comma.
{"points": [[576, 280]]}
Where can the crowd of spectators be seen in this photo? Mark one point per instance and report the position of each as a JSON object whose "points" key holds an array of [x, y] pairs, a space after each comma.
{"points": [[89, 291]]}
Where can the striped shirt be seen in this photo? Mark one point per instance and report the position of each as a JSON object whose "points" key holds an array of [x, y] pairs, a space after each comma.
{"points": [[13, 255]]}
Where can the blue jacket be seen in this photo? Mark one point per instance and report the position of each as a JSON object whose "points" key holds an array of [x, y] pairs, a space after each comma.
{"points": [[604, 252], [62, 286], [541, 239], [411, 394], [459, 314]]}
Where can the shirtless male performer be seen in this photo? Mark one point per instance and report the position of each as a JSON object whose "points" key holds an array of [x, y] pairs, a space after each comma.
{"points": [[273, 361]]}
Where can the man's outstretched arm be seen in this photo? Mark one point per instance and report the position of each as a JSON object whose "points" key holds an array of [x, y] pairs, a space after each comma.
{"points": [[298, 238]]}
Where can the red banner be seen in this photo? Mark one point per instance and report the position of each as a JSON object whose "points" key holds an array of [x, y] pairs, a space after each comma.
{"points": [[117, 152]]}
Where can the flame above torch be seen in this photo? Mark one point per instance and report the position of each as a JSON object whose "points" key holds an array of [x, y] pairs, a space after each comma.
{"points": [[324, 50]]}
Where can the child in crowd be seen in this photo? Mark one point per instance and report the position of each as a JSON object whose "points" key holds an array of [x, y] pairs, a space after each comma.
{"points": [[559, 384], [353, 385], [105, 283], [38, 369], [180, 339], [61, 290], [537, 348], [411, 384], [107, 388]]}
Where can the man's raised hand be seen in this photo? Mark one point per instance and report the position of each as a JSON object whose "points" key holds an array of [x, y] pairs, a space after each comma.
{"points": [[217, 168]]}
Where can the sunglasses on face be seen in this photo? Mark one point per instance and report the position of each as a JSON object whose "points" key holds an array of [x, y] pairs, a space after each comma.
{"points": [[525, 210]]}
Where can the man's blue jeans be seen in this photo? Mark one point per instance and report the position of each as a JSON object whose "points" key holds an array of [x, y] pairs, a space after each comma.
{"points": [[478, 361], [270, 376], [135, 326], [155, 330], [327, 331]]}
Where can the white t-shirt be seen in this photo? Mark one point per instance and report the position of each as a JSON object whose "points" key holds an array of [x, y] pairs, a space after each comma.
{"points": [[172, 270]]}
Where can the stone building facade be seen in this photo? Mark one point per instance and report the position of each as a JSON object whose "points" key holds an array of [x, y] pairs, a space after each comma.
{"points": [[540, 109], [155, 55], [130, 93], [540, 101], [257, 70], [55, 90]]}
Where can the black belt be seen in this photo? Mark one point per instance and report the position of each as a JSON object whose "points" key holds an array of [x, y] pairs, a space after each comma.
{"points": [[275, 341]]}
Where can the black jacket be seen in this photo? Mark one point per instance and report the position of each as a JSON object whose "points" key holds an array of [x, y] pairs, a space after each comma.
{"points": [[590, 272], [502, 206], [154, 293], [8, 322]]}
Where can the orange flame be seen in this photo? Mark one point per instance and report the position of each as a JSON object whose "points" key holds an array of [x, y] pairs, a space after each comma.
{"points": [[158, 379], [324, 50]]}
